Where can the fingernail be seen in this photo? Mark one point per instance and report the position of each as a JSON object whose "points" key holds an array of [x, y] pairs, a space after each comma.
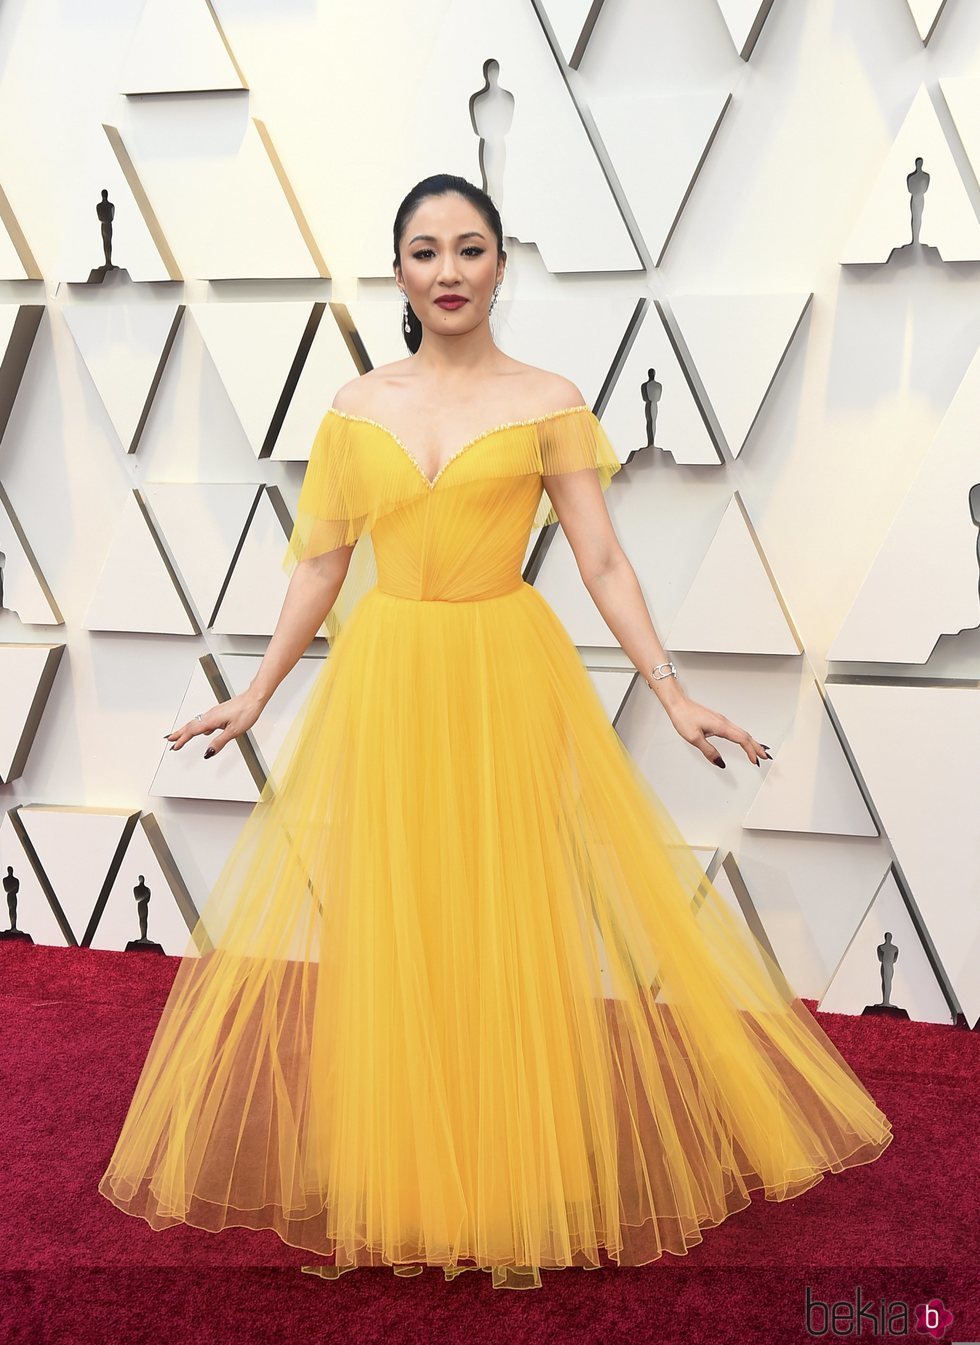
{"points": [[209, 753], [719, 762]]}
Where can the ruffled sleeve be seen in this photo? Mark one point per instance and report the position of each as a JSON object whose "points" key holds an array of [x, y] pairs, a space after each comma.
{"points": [[572, 442], [334, 510], [328, 514]]}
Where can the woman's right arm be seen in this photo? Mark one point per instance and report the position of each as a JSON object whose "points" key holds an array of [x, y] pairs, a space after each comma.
{"points": [[312, 592]]}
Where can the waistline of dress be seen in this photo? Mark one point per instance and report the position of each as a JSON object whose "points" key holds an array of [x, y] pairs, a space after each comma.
{"points": [[486, 597]]}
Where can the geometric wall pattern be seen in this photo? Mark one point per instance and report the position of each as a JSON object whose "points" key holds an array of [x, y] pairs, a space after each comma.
{"points": [[918, 196], [25, 590], [923, 782], [851, 988], [136, 590], [810, 786], [926, 15], [732, 604], [125, 349], [652, 401], [602, 183], [962, 98], [657, 174], [27, 673], [274, 360], [737, 343], [923, 582], [104, 171], [233, 774], [76, 870], [178, 47]]}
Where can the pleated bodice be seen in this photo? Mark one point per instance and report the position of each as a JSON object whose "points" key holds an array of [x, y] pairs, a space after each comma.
{"points": [[458, 537]]}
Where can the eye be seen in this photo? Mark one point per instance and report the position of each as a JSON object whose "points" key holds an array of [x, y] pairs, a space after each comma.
{"points": [[473, 248]]}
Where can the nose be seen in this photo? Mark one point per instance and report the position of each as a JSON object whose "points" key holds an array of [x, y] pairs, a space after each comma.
{"points": [[449, 270]]}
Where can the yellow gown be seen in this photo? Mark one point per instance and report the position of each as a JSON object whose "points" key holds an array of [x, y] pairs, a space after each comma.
{"points": [[462, 995]]}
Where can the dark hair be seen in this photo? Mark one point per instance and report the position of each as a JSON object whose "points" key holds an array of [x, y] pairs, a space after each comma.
{"points": [[438, 185]]}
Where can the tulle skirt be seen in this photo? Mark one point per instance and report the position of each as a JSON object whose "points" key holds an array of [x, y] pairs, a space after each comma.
{"points": [[462, 995]]}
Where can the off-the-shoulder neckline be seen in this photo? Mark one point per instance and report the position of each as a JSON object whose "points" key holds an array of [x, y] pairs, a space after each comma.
{"points": [[484, 434]]}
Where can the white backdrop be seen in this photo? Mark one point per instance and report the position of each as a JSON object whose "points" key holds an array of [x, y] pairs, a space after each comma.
{"points": [[716, 192]]}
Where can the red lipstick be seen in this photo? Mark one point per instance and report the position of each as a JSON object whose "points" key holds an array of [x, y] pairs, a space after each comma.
{"points": [[451, 301]]}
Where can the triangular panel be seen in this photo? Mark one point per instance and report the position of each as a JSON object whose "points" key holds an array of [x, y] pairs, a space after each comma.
{"points": [[810, 785], [744, 20], [572, 22], [25, 589], [916, 750], [137, 589], [178, 47], [857, 980], [27, 673], [962, 95], [139, 247], [17, 261], [216, 180], [733, 605], [948, 221], [75, 852], [256, 588], [926, 15], [183, 772], [923, 582], [202, 525], [146, 882], [737, 343], [657, 145], [125, 349], [35, 914], [652, 401], [279, 363]]}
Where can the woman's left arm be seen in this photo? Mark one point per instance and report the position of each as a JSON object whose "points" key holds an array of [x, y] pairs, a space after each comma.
{"points": [[614, 588]]}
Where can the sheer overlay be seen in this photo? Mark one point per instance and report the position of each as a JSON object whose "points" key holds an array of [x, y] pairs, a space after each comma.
{"points": [[462, 995]]}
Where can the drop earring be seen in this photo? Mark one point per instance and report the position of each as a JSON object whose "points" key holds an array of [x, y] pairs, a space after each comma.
{"points": [[405, 321], [493, 298]]}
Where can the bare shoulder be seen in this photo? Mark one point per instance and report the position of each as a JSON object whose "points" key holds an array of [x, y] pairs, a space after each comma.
{"points": [[551, 391], [358, 395], [528, 390]]}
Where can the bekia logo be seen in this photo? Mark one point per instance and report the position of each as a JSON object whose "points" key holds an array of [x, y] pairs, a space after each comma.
{"points": [[933, 1319], [866, 1316]]}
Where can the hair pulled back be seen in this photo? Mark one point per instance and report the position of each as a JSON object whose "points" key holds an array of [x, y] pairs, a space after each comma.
{"points": [[439, 184]]}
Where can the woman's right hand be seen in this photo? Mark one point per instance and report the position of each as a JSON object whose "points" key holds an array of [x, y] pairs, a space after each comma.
{"points": [[232, 717]]}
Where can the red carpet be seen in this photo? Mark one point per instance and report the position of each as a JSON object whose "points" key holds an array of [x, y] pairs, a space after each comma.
{"points": [[77, 1024]]}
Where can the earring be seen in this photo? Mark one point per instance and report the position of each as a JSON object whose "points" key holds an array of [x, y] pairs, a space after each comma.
{"points": [[493, 298], [405, 322]]}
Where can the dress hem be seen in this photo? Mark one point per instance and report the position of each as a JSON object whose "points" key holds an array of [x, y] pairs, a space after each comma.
{"points": [[839, 1165]]}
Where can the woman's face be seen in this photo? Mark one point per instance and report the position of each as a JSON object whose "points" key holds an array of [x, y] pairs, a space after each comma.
{"points": [[447, 251]]}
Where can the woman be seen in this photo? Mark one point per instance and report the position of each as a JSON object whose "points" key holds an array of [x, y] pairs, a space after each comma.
{"points": [[462, 995]]}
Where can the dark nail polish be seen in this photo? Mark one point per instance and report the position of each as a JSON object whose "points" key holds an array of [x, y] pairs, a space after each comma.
{"points": [[209, 753], [719, 762]]}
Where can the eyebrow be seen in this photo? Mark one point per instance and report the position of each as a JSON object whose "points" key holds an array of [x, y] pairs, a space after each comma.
{"points": [[430, 238]]}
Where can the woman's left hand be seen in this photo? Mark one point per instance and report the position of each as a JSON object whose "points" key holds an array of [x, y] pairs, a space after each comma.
{"points": [[696, 723]]}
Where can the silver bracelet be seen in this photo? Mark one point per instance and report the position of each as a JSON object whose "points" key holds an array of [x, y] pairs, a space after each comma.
{"points": [[658, 676]]}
